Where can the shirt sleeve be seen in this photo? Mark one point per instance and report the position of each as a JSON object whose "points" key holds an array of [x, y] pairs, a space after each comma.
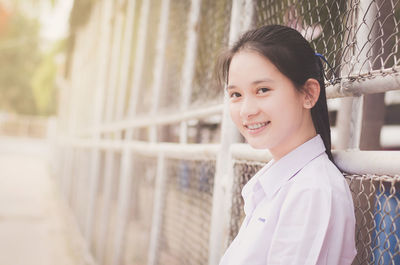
{"points": [[301, 231]]}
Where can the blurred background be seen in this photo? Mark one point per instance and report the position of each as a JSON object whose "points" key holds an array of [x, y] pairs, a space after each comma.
{"points": [[116, 146], [33, 41]]}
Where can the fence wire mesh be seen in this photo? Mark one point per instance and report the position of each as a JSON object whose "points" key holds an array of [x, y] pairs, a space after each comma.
{"points": [[100, 205], [243, 172], [376, 206], [146, 97], [80, 180], [174, 54], [356, 37], [133, 47], [187, 212], [109, 207], [105, 205], [137, 233], [72, 181], [213, 35]]}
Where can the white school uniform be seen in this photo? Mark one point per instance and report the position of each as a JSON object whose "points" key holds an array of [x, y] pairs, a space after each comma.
{"points": [[299, 210]]}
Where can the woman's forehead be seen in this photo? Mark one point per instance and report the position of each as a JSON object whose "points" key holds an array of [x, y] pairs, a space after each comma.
{"points": [[251, 67]]}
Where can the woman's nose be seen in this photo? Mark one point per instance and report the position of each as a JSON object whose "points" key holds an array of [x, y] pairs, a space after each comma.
{"points": [[248, 109]]}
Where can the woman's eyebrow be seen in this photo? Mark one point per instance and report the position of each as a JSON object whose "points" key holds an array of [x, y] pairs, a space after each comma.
{"points": [[262, 81], [253, 83]]}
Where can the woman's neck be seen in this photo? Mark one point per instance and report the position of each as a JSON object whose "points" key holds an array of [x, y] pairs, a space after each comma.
{"points": [[280, 151]]}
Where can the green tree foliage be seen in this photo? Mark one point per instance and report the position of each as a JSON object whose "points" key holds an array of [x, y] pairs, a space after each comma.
{"points": [[19, 56], [43, 81]]}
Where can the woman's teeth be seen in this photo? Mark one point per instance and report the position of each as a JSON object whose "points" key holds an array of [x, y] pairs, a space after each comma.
{"points": [[257, 125]]}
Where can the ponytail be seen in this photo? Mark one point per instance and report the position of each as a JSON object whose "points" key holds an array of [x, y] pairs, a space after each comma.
{"points": [[319, 113]]}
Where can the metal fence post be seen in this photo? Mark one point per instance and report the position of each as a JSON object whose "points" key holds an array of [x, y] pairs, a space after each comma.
{"points": [[366, 30], [82, 87], [109, 164], [66, 175], [349, 120], [139, 58], [112, 75], [159, 64], [72, 116], [223, 181], [158, 207], [126, 59], [356, 122], [111, 80], [124, 188], [189, 64], [374, 105], [98, 111]]}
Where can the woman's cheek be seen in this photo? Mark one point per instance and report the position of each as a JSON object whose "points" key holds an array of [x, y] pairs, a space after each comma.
{"points": [[235, 114]]}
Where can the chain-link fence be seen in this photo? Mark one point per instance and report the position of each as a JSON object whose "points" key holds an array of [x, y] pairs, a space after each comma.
{"points": [[137, 235], [128, 173], [105, 213], [187, 212], [356, 37], [146, 98], [244, 171], [213, 28], [174, 56], [376, 203]]}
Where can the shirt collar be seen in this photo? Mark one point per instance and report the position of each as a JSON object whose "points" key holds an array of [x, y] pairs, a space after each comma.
{"points": [[275, 174], [250, 186]]}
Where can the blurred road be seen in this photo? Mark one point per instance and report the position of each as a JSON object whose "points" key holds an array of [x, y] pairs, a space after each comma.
{"points": [[35, 225]]}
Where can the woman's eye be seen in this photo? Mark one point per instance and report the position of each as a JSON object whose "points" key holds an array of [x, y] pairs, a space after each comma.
{"points": [[235, 95], [262, 90]]}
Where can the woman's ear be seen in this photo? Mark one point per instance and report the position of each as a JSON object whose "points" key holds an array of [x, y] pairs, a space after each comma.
{"points": [[311, 93]]}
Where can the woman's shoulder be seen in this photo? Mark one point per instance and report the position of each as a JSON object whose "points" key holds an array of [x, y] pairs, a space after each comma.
{"points": [[320, 173]]}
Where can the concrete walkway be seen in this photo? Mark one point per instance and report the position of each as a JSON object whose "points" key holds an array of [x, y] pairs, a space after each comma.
{"points": [[35, 225]]}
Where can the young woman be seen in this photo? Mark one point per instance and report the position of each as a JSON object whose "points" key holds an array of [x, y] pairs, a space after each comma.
{"points": [[298, 207]]}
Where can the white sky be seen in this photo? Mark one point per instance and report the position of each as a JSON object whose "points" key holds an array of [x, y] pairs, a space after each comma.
{"points": [[54, 20]]}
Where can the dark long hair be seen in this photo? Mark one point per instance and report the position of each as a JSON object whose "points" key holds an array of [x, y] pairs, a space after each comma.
{"points": [[293, 56]]}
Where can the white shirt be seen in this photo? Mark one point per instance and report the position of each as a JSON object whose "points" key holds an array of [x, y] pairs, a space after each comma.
{"points": [[299, 210]]}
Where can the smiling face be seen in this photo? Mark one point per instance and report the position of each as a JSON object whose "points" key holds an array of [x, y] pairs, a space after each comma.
{"points": [[265, 105]]}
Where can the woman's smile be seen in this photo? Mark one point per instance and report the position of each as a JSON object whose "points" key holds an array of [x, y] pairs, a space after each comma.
{"points": [[256, 128]]}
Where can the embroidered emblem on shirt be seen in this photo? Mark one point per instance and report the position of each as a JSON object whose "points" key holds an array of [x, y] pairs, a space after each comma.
{"points": [[261, 219]]}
